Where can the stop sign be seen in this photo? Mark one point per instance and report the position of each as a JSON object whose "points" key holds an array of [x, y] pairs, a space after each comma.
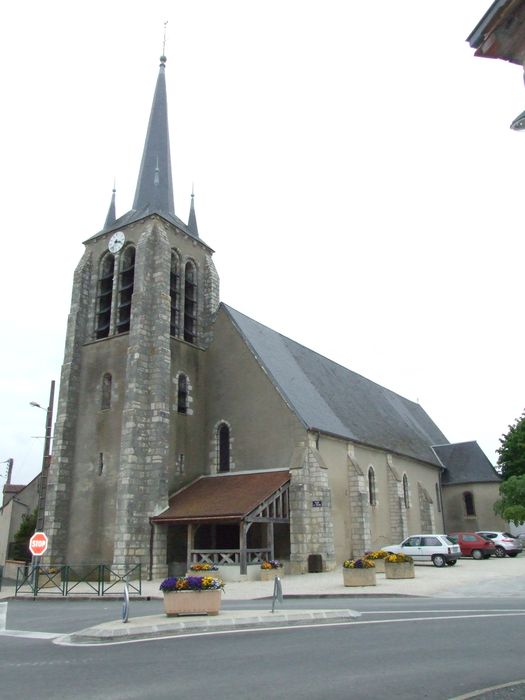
{"points": [[38, 544]]}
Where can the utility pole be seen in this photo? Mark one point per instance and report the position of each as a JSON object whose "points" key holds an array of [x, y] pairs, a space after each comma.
{"points": [[46, 458]]}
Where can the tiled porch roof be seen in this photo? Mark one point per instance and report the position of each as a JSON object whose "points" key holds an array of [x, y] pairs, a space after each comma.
{"points": [[222, 497]]}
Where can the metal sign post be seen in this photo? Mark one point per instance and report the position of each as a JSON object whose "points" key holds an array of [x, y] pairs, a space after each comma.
{"points": [[277, 592], [125, 604]]}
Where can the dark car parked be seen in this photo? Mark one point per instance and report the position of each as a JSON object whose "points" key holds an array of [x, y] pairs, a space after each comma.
{"points": [[473, 545]]}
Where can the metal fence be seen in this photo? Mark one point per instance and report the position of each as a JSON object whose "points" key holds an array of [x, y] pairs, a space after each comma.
{"points": [[86, 580]]}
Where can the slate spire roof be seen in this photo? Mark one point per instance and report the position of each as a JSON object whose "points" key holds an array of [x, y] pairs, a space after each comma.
{"points": [[192, 219], [154, 184], [111, 215], [154, 191]]}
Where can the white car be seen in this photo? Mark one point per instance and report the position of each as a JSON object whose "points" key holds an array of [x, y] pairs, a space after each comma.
{"points": [[506, 544], [438, 549]]}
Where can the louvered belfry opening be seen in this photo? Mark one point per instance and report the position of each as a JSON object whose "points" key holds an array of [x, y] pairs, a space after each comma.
{"points": [[125, 292], [174, 295], [105, 296], [190, 303]]}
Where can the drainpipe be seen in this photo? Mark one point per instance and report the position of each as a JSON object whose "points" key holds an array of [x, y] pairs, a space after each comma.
{"points": [[151, 536]]}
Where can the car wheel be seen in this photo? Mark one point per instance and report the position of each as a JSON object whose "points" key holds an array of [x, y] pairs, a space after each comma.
{"points": [[476, 554], [439, 560], [500, 552], [512, 554], [451, 562]]}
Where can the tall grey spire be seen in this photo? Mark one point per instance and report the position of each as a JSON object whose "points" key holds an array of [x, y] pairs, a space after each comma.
{"points": [[154, 185]]}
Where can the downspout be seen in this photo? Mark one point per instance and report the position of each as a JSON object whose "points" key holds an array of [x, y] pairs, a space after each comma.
{"points": [[151, 536]]}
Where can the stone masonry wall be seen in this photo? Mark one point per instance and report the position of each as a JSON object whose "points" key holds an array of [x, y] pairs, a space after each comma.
{"points": [[56, 515], [311, 526], [143, 477], [396, 503], [360, 535]]}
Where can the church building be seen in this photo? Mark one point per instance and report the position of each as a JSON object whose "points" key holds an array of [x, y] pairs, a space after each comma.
{"points": [[188, 432]]}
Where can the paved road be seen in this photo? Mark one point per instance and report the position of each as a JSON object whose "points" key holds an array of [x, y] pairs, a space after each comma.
{"points": [[405, 648]]}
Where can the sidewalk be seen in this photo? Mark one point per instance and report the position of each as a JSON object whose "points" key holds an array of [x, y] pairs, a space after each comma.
{"points": [[494, 578]]}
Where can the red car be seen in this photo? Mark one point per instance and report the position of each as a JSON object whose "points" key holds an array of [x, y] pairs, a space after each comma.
{"points": [[473, 545]]}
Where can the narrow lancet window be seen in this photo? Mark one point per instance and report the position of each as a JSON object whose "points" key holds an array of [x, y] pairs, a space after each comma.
{"points": [[125, 290], [406, 497], [372, 496], [182, 394], [468, 498], [105, 296], [223, 447], [190, 303], [106, 391]]}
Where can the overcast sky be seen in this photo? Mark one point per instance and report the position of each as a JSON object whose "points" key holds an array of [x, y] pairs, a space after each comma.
{"points": [[354, 171]]}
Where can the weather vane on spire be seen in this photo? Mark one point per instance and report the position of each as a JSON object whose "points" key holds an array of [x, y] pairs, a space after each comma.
{"points": [[163, 57]]}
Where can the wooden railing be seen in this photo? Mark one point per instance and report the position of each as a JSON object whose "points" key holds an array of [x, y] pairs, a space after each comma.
{"points": [[228, 557]]}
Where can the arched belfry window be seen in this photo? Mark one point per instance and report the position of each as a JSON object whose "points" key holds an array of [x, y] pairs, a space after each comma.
{"points": [[125, 288], [175, 294], [105, 295], [106, 391], [182, 394], [190, 302], [372, 495], [468, 499], [223, 447], [406, 495]]}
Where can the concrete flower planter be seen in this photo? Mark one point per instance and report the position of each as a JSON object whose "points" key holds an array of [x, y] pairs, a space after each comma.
{"points": [[380, 565], [359, 577], [401, 570], [270, 574], [192, 602]]}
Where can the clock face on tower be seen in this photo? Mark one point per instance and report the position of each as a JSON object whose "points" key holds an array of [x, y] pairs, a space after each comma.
{"points": [[116, 242]]}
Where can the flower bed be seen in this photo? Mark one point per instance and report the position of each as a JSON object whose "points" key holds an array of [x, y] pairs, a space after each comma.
{"points": [[192, 595], [399, 566], [378, 557], [270, 569], [359, 572]]}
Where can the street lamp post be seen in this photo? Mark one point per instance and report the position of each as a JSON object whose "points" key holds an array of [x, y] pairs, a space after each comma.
{"points": [[46, 458]]}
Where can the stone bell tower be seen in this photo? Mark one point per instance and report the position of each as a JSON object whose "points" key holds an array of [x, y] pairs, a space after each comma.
{"points": [[143, 304]]}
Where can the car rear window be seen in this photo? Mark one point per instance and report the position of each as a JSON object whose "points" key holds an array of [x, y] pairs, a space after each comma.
{"points": [[449, 540]]}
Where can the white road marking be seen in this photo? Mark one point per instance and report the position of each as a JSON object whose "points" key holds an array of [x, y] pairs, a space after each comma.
{"points": [[65, 639]]}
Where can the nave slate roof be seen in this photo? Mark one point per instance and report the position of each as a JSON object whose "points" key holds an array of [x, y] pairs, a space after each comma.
{"points": [[465, 463], [334, 400]]}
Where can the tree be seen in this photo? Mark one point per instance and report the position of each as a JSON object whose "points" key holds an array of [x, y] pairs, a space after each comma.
{"points": [[23, 535], [511, 505], [511, 460]]}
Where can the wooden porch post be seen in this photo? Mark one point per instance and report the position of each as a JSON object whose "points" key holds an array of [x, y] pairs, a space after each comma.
{"points": [[242, 548], [269, 539], [189, 546]]}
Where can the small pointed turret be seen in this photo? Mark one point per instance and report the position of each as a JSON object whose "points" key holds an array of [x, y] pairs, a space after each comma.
{"points": [[192, 219], [111, 217], [154, 185]]}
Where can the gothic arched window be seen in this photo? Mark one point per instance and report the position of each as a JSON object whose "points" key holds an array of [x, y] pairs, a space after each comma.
{"points": [[406, 496], [190, 302], [468, 499], [372, 496], [174, 294], [106, 391], [125, 288], [182, 394], [104, 295], [223, 447]]}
